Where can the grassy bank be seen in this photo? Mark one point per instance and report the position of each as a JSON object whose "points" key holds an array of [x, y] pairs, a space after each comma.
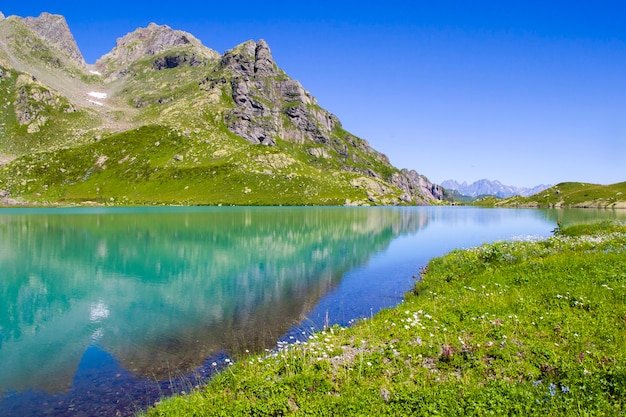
{"points": [[511, 328]]}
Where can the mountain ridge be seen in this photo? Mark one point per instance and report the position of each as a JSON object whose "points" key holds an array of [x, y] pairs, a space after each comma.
{"points": [[488, 187], [160, 81], [567, 195]]}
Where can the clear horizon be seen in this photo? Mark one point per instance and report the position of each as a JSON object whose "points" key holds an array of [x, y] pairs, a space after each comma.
{"points": [[526, 93]]}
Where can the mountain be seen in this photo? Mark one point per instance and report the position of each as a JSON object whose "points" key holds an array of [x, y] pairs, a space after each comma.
{"points": [[494, 188], [54, 29], [569, 194], [152, 41], [163, 119]]}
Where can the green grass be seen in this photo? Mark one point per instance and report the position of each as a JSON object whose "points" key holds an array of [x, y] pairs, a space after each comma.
{"points": [[159, 165], [568, 194], [511, 328], [64, 124], [199, 161]]}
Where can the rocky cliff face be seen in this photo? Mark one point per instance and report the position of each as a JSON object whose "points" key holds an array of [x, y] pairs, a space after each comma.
{"points": [[268, 104], [271, 106], [53, 29], [417, 187]]}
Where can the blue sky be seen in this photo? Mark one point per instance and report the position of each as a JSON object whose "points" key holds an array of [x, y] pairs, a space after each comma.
{"points": [[523, 92]]}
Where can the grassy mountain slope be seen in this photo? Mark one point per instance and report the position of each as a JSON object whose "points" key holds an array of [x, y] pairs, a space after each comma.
{"points": [[41, 89], [38, 118], [568, 194], [156, 164], [165, 120]]}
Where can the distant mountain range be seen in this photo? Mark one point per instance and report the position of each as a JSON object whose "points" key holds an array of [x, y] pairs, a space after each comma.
{"points": [[495, 188]]}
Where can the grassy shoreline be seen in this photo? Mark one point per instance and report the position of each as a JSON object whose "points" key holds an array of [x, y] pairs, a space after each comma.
{"points": [[509, 328]]}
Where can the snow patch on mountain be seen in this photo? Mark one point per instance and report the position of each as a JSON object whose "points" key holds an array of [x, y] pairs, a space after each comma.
{"points": [[99, 96]]}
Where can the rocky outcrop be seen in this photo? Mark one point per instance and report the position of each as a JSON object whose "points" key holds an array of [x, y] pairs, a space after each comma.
{"points": [[175, 61], [250, 60], [53, 29], [33, 101], [151, 41], [1, 16], [417, 188], [268, 104]]}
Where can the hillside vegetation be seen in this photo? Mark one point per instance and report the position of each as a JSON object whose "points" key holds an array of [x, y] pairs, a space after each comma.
{"points": [[162, 119], [511, 328], [156, 164], [567, 194]]}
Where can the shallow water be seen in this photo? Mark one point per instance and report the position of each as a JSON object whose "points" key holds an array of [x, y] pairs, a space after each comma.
{"points": [[106, 310]]}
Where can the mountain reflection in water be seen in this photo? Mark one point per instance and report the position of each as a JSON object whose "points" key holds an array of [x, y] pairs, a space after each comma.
{"points": [[104, 310], [161, 291]]}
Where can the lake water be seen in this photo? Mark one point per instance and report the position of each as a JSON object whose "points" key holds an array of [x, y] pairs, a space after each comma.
{"points": [[103, 311]]}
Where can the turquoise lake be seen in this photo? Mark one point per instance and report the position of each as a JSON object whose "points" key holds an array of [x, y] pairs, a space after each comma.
{"points": [[104, 310]]}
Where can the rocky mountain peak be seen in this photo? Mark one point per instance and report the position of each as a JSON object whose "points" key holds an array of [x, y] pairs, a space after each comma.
{"points": [[53, 28], [1, 16], [250, 59], [268, 104], [263, 60], [152, 40]]}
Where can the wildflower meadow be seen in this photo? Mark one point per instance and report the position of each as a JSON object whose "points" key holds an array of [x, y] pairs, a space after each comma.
{"points": [[526, 327]]}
